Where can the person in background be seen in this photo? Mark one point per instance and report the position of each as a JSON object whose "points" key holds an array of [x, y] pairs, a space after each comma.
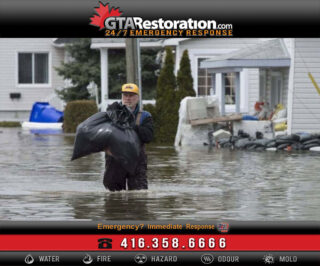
{"points": [[115, 177]]}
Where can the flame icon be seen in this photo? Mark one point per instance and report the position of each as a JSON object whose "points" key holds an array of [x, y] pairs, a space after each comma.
{"points": [[87, 259], [29, 259]]}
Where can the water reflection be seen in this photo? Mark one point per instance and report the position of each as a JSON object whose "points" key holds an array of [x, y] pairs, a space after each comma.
{"points": [[39, 182]]}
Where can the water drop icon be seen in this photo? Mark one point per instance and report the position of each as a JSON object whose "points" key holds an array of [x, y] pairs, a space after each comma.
{"points": [[29, 259]]}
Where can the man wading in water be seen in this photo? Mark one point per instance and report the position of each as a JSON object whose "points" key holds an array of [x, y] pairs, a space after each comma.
{"points": [[115, 177]]}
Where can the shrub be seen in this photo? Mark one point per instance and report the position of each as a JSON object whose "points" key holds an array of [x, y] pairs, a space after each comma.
{"points": [[10, 124], [151, 109], [76, 112]]}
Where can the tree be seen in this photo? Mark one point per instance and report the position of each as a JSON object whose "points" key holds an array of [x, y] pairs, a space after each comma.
{"points": [[148, 68], [117, 72], [166, 119], [83, 68], [184, 78]]}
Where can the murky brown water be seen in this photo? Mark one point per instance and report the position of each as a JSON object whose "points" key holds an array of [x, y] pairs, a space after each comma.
{"points": [[39, 182]]}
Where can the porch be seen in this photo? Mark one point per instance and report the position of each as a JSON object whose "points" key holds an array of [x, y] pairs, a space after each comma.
{"points": [[265, 66]]}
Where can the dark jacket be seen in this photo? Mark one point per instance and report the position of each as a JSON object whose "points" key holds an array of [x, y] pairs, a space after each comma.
{"points": [[145, 127], [116, 178]]}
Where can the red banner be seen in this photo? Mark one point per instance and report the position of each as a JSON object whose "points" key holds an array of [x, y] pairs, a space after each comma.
{"points": [[160, 242]]}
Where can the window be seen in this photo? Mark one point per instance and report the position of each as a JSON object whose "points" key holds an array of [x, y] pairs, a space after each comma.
{"points": [[33, 68], [276, 89], [206, 86], [230, 88]]}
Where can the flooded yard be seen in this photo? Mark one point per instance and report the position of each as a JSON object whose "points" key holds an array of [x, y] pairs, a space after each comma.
{"points": [[39, 182]]}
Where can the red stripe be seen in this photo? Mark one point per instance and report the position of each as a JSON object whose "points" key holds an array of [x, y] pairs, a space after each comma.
{"points": [[90, 242]]}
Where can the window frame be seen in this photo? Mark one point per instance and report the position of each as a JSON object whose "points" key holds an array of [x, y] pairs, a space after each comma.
{"points": [[234, 76], [208, 75], [33, 85]]}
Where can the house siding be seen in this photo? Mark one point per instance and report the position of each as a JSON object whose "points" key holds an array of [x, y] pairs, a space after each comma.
{"points": [[253, 88], [214, 47], [306, 100], [19, 109]]}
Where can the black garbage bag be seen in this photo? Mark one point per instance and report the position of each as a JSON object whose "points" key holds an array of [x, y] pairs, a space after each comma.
{"points": [[242, 143], [297, 146], [305, 137], [310, 145], [112, 130], [242, 134], [312, 141], [271, 144]]}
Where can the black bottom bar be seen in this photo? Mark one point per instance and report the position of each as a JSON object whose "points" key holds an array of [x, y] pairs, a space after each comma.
{"points": [[152, 258]]}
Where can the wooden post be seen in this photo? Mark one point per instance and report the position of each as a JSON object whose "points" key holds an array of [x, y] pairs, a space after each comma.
{"points": [[132, 60], [134, 64]]}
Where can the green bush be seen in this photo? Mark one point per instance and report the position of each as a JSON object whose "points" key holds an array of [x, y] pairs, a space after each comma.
{"points": [[76, 112], [10, 124]]}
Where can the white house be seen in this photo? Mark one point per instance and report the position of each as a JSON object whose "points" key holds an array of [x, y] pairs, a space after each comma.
{"points": [[27, 75], [273, 71], [242, 71]]}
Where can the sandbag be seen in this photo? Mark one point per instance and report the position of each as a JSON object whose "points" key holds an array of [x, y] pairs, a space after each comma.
{"points": [[282, 146], [305, 136], [297, 146], [241, 143], [283, 141], [112, 130], [271, 144], [312, 141], [310, 145], [293, 137], [262, 142]]}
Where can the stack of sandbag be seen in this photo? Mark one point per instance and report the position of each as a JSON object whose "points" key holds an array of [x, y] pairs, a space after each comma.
{"points": [[309, 141], [292, 141], [299, 141], [112, 130]]}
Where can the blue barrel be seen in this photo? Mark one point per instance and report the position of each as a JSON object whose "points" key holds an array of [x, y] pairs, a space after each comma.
{"points": [[45, 113]]}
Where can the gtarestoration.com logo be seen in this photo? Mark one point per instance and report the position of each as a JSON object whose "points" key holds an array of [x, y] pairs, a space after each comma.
{"points": [[116, 25]]}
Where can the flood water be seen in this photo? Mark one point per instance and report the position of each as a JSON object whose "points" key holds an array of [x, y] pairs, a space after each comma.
{"points": [[39, 182]]}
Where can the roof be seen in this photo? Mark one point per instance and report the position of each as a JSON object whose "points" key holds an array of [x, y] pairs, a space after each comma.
{"points": [[61, 42], [144, 42], [266, 54], [120, 42]]}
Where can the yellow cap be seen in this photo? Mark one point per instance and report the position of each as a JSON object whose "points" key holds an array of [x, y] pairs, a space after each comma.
{"points": [[130, 87]]}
